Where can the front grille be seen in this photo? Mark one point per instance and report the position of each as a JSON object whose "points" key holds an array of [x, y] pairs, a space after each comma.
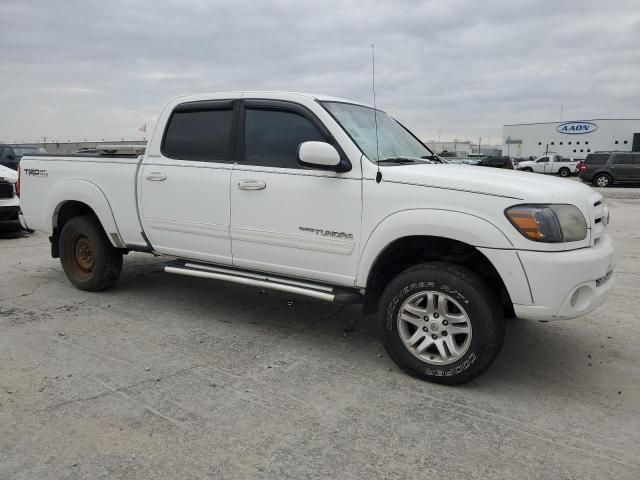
{"points": [[602, 280], [6, 190], [599, 216]]}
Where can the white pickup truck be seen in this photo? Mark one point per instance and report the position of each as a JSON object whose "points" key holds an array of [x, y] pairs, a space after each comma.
{"points": [[551, 164], [284, 191]]}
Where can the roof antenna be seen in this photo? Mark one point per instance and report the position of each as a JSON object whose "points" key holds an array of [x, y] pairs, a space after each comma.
{"points": [[375, 110]]}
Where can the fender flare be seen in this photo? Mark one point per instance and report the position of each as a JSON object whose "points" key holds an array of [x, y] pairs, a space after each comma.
{"points": [[452, 224], [84, 191]]}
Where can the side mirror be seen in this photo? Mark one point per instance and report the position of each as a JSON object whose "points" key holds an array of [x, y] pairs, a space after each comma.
{"points": [[319, 155]]}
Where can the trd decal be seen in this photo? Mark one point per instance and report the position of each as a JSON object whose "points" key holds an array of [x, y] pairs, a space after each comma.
{"points": [[34, 172]]}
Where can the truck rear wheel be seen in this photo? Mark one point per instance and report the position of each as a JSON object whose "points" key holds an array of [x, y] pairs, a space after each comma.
{"points": [[564, 172], [441, 323], [90, 262]]}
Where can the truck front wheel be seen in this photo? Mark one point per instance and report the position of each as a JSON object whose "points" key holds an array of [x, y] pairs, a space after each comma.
{"points": [[441, 323], [90, 262]]}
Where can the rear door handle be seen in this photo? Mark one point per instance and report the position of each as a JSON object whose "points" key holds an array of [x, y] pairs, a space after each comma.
{"points": [[251, 185], [156, 176]]}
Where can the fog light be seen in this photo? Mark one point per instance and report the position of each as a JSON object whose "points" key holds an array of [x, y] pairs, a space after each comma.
{"points": [[581, 298]]}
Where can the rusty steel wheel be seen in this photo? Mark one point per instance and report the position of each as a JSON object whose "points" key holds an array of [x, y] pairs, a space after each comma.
{"points": [[87, 256], [82, 259]]}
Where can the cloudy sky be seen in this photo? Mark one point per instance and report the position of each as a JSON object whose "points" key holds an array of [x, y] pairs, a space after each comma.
{"points": [[456, 68]]}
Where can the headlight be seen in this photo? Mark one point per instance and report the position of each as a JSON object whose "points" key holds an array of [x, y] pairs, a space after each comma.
{"points": [[548, 223]]}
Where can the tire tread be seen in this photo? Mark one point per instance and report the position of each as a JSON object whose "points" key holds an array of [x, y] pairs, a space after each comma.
{"points": [[496, 335]]}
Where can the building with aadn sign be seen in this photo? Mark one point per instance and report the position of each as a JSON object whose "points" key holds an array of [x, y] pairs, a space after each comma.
{"points": [[572, 139]]}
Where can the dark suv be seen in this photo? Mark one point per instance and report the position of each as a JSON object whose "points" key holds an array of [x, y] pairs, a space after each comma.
{"points": [[605, 168], [10, 155], [496, 162]]}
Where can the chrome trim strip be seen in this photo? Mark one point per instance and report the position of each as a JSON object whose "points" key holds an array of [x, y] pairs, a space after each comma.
{"points": [[193, 228]]}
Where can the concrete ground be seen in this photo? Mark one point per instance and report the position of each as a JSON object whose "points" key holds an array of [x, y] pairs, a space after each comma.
{"points": [[175, 377]]}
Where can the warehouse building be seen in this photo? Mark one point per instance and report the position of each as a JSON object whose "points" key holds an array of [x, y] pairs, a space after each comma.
{"points": [[573, 139]]}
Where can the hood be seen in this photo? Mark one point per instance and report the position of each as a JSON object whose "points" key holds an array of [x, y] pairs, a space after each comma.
{"points": [[524, 186], [8, 175]]}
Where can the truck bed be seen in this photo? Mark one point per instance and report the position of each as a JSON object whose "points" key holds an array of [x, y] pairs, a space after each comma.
{"points": [[48, 181]]}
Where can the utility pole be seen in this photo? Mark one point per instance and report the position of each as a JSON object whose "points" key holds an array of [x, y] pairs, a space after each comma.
{"points": [[508, 145], [479, 143]]}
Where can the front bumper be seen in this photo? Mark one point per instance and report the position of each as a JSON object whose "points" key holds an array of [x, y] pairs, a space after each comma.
{"points": [[9, 217], [566, 285]]}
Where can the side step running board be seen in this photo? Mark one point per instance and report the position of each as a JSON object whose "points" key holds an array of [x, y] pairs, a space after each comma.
{"points": [[339, 295]]}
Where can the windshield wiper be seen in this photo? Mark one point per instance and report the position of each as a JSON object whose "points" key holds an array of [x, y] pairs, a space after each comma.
{"points": [[401, 159]]}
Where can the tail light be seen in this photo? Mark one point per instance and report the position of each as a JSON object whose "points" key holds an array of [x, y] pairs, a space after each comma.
{"points": [[582, 166], [18, 183]]}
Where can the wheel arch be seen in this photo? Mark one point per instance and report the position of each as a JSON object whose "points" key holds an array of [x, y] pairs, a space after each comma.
{"points": [[411, 237], [81, 197]]}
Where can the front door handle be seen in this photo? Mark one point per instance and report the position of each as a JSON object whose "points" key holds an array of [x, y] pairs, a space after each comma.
{"points": [[251, 185], [156, 176]]}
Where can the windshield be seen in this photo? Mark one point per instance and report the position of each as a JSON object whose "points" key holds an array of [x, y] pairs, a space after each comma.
{"points": [[20, 151], [360, 123]]}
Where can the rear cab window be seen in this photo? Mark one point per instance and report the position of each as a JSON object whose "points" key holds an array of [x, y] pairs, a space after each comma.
{"points": [[200, 131]]}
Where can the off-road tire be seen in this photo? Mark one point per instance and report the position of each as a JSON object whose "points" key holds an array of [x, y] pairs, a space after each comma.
{"points": [[479, 302], [564, 172], [90, 262]]}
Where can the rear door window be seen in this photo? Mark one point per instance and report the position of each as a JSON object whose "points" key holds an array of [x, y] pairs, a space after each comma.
{"points": [[623, 159], [199, 134]]}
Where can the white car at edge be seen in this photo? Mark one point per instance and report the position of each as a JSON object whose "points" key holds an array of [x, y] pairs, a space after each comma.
{"points": [[9, 201]]}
